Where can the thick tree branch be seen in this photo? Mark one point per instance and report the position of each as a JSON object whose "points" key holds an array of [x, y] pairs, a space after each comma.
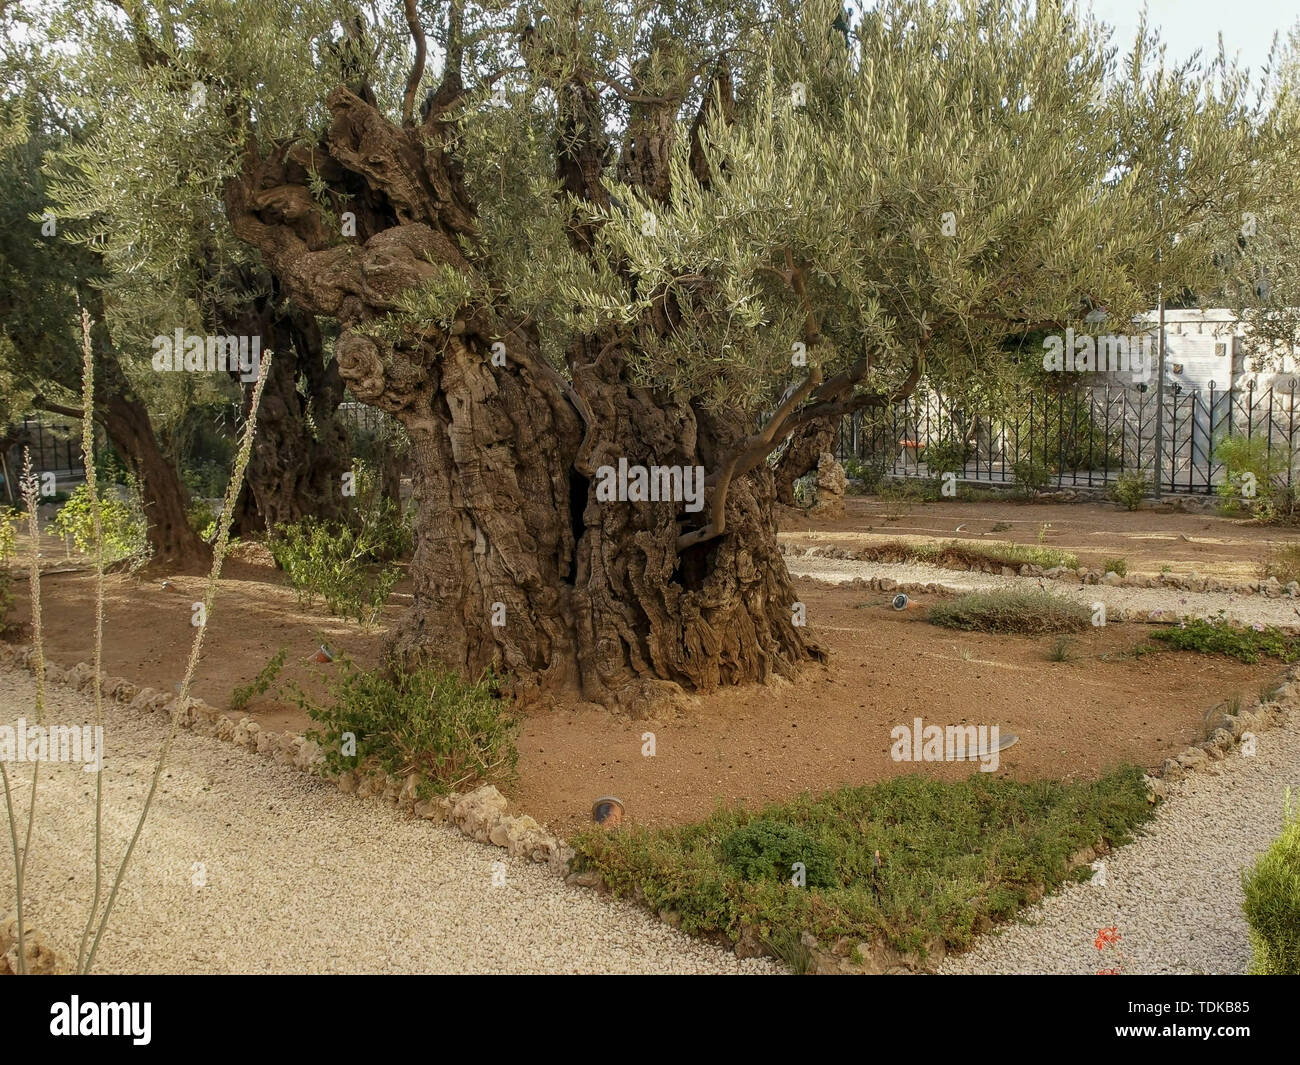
{"points": [[417, 67], [746, 457]]}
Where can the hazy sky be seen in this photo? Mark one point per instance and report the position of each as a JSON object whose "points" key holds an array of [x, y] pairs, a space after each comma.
{"points": [[1185, 25]]}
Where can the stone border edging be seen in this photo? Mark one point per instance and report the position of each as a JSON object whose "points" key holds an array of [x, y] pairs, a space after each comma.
{"points": [[479, 814], [1192, 582]]}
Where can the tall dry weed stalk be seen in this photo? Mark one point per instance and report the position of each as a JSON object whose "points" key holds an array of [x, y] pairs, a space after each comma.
{"points": [[97, 919]]}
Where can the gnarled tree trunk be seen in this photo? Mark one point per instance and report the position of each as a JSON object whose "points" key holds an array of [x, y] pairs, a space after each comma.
{"points": [[300, 449], [518, 564]]}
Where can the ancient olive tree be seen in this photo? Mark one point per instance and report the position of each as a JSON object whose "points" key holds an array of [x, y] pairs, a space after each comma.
{"points": [[583, 251]]}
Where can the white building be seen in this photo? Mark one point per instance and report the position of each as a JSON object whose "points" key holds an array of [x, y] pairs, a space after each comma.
{"points": [[1208, 348]]}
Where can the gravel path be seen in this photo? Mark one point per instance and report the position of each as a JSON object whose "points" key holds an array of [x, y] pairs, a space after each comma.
{"points": [[1175, 602], [297, 877], [1175, 893]]}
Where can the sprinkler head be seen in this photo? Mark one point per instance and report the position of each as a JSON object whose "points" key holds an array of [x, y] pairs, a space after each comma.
{"points": [[607, 811]]}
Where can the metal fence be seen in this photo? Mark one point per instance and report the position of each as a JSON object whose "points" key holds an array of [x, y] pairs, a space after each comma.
{"points": [[1085, 437], [55, 447]]}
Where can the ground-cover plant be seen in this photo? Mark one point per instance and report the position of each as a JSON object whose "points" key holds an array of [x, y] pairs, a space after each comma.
{"points": [[261, 684], [1216, 636], [962, 554], [953, 858], [1030, 613], [121, 520], [425, 721], [774, 850], [1272, 905], [1115, 565], [1129, 489], [330, 560]]}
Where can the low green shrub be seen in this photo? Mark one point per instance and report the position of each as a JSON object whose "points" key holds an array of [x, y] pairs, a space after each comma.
{"points": [[122, 521], [1129, 489], [202, 518], [425, 720], [1258, 480], [1027, 613], [1272, 906], [376, 518], [329, 560], [1030, 476], [1115, 565], [864, 477], [945, 456]]}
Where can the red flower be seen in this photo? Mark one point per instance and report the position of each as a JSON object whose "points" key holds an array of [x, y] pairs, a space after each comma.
{"points": [[1107, 937], [1107, 972]]}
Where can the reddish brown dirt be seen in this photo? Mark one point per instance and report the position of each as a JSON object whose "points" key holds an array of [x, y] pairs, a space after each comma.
{"points": [[830, 728], [1147, 539]]}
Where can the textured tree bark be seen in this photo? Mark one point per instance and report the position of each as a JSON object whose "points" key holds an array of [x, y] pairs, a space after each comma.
{"points": [[517, 564], [300, 450]]}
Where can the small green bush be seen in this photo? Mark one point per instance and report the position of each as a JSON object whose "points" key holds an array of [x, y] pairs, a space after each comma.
{"points": [[1027, 613], [1272, 906], [425, 721], [329, 560], [122, 522], [1256, 479], [376, 518], [864, 477], [768, 850], [805, 490], [1129, 489], [1060, 651], [1030, 476], [202, 518], [945, 456], [1115, 565]]}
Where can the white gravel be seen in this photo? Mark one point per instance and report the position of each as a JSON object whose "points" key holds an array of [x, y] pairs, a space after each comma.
{"points": [[1175, 893], [297, 877], [1174, 602]]}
